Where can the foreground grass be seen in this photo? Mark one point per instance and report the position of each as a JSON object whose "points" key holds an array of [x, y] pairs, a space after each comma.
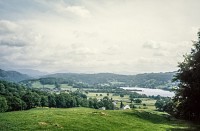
{"points": [[88, 119]]}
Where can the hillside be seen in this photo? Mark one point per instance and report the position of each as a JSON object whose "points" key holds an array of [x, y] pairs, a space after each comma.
{"points": [[32, 73], [150, 80], [85, 119], [13, 76]]}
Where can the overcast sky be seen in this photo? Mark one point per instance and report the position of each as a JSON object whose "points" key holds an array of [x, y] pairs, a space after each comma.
{"points": [[91, 36]]}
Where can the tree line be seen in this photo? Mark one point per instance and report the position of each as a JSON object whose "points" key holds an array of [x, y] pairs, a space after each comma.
{"points": [[14, 97]]}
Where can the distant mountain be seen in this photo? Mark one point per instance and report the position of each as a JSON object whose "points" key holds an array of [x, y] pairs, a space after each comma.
{"points": [[148, 80], [32, 73], [13, 76]]}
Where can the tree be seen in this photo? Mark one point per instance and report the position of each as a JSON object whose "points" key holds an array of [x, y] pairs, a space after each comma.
{"points": [[2, 89], [57, 85], [121, 105], [165, 104], [28, 98], [3, 104], [132, 106], [60, 101], [187, 94], [36, 99], [95, 103], [44, 101], [138, 101], [84, 103], [159, 105], [52, 101], [108, 103], [91, 103], [121, 95], [14, 103]]}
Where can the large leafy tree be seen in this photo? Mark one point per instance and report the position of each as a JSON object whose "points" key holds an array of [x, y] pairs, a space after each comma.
{"points": [[187, 98], [3, 104]]}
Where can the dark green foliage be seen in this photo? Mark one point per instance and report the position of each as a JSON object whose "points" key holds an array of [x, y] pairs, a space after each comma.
{"points": [[159, 105], [187, 95], [2, 89], [44, 101], [15, 97], [138, 101], [165, 104], [3, 104], [84, 103], [61, 100], [121, 95], [132, 106], [29, 99], [52, 101], [79, 94], [108, 103], [134, 95], [15, 103], [121, 105]]}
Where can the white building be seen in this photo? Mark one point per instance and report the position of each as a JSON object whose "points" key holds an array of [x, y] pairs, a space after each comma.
{"points": [[126, 107]]}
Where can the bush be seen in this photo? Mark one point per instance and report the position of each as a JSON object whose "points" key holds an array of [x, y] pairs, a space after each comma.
{"points": [[132, 106], [3, 104], [138, 101]]}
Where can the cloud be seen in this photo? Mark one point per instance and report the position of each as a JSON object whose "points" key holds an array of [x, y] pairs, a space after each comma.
{"points": [[7, 27], [96, 36], [151, 45], [12, 43], [77, 10]]}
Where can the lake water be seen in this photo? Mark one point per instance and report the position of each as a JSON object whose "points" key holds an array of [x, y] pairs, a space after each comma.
{"points": [[150, 92]]}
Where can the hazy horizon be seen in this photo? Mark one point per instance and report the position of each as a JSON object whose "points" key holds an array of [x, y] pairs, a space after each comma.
{"points": [[114, 36]]}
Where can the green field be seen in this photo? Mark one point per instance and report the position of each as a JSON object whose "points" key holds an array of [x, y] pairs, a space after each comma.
{"points": [[86, 119], [37, 84], [93, 95]]}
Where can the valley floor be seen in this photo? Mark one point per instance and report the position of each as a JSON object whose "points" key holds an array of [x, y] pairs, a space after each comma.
{"points": [[77, 119]]}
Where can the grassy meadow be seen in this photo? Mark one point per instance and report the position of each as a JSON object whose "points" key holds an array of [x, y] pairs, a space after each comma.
{"points": [[86, 119]]}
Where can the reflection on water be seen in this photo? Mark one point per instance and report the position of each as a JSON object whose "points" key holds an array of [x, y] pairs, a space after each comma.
{"points": [[150, 92]]}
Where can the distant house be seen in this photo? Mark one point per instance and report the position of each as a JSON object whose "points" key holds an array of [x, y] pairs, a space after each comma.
{"points": [[102, 108], [114, 103], [126, 107]]}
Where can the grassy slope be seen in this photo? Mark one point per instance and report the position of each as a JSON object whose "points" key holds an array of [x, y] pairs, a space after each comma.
{"points": [[86, 119]]}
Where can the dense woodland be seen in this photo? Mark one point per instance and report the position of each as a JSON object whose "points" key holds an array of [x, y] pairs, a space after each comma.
{"points": [[15, 97]]}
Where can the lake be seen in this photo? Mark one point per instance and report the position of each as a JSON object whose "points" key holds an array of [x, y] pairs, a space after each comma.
{"points": [[150, 92]]}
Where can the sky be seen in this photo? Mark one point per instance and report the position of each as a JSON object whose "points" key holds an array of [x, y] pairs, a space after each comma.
{"points": [[92, 36]]}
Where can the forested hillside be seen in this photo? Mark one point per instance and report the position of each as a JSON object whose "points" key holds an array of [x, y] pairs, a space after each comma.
{"points": [[149, 80], [13, 76]]}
